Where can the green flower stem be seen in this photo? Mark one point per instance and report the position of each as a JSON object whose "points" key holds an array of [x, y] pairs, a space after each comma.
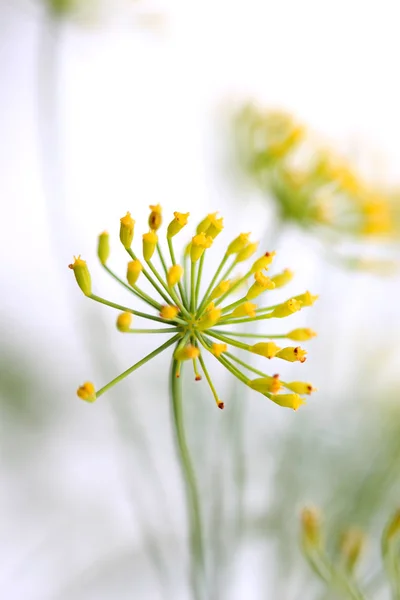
{"points": [[233, 288], [207, 345], [251, 335], [192, 286], [210, 383], [135, 290], [162, 259], [135, 312], [267, 308], [244, 320], [166, 330], [211, 286], [199, 274], [149, 277], [168, 289], [192, 495], [245, 365], [180, 286], [233, 305], [227, 340], [137, 365]]}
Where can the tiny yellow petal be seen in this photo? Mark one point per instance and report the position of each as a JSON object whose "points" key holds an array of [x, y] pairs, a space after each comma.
{"points": [[87, 392], [174, 275], [220, 289], [301, 334], [218, 349], [292, 354], [169, 312], [103, 247], [267, 349], [126, 230], [150, 240], [240, 242], [263, 262], [293, 401], [179, 221], [82, 275], [247, 252], [247, 309], [133, 271], [264, 385], [283, 278], [306, 299], [260, 285], [300, 387], [286, 308], [124, 321], [186, 353], [210, 318]]}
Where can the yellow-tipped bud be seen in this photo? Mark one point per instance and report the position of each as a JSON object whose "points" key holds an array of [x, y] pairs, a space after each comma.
{"points": [[216, 225], [306, 299], [283, 278], [220, 289], [293, 401], [292, 354], [126, 230], [247, 309], [82, 275], [155, 218], [200, 242], [266, 385], [169, 312], [209, 319], [179, 221], [311, 527], [238, 244], [301, 334], [263, 262], [247, 252], [174, 275], [186, 353], [352, 544], [267, 349], [86, 392], [103, 247], [260, 285], [133, 271], [149, 244], [124, 321], [300, 387], [286, 308], [218, 349]]}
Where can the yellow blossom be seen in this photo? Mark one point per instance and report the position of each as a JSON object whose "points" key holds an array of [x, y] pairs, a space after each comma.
{"points": [[220, 289], [179, 221], [292, 354], [188, 352], [199, 243], [266, 385], [240, 242], [174, 275], [150, 240], [311, 527], [283, 278], [260, 285], [300, 387], [247, 252], [218, 349], [87, 392], [133, 271], [155, 218], [124, 321], [247, 309], [263, 262], [126, 230], [169, 312], [210, 318], [267, 349], [306, 299], [82, 275], [286, 309], [293, 401], [301, 334], [103, 247]]}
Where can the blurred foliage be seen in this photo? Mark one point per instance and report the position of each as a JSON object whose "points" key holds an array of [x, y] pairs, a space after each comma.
{"points": [[312, 186]]}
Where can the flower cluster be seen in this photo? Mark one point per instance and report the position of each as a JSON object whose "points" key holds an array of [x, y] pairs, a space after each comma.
{"points": [[311, 185], [202, 321]]}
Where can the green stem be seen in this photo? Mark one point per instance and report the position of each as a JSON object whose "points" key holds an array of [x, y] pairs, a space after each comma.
{"points": [[192, 495], [198, 282], [227, 340], [251, 335], [134, 312], [162, 259], [166, 330], [180, 286], [135, 290], [149, 277], [169, 290], [137, 365], [211, 285], [192, 286], [210, 383]]}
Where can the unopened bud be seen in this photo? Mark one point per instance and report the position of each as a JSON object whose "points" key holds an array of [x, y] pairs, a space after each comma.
{"points": [[82, 275], [103, 247], [126, 230]]}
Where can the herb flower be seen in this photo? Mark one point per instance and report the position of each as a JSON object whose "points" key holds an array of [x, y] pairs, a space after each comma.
{"points": [[200, 320]]}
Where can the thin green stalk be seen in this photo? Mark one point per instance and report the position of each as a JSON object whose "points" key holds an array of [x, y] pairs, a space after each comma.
{"points": [[227, 340], [250, 335], [233, 288], [166, 330], [245, 365], [192, 286], [210, 383], [192, 495], [137, 365], [169, 290], [135, 290], [244, 320], [212, 285], [162, 259], [180, 286], [207, 345], [199, 274], [135, 312], [233, 305]]}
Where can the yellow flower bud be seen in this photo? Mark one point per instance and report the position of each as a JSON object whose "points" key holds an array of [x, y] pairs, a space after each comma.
{"points": [[218, 349], [186, 353], [286, 308], [263, 262], [269, 385], [293, 401], [267, 349], [177, 223], [103, 247], [311, 527], [149, 244], [283, 278], [199, 243], [82, 275], [306, 299], [300, 387], [174, 275], [155, 218], [169, 312], [292, 354], [124, 321], [220, 289], [126, 230], [209, 319], [87, 392], [204, 224], [133, 271], [352, 544], [247, 251], [301, 334], [216, 225], [260, 285], [238, 244], [247, 309]]}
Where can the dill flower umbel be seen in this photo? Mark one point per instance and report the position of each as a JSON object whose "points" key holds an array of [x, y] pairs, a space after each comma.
{"points": [[201, 320]]}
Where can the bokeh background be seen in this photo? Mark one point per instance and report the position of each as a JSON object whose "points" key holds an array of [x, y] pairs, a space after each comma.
{"points": [[109, 107]]}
